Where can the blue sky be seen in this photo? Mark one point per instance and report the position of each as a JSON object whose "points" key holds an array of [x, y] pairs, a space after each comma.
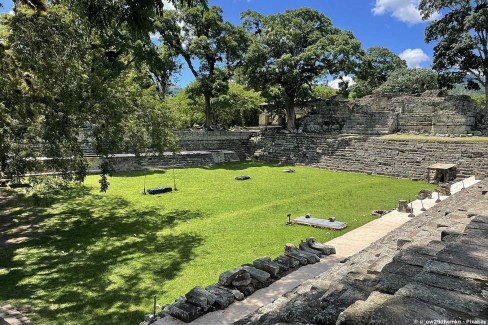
{"points": [[394, 24]]}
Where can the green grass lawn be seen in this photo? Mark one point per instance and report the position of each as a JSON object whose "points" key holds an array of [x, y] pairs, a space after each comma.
{"points": [[95, 258]]}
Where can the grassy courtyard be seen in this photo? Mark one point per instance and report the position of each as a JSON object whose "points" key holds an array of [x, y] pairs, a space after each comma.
{"points": [[84, 257]]}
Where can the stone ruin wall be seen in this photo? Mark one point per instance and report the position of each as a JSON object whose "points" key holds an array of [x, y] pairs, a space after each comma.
{"points": [[128, 162], [198, 140], [323, 143], [403, 159], [388, 113]]}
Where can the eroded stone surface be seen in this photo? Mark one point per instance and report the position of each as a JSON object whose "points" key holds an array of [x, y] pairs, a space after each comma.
{"points": [[426, 279]]}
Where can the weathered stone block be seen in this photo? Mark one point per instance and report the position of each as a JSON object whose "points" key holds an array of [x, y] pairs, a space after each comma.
{"points": [[246, 290], [185, 312], [304, 247], [257, 274], [237, 294], [242, 280], [265, 264], [424, 194], [403, 207], [291, 250], [224, 298], [301, 259], [286, 263], [227, 277], [201, 298], [325, 249]]}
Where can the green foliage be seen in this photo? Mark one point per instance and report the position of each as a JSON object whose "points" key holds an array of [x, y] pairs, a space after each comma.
{"points": [[290, 51], [410, 81], [478, 96], [239, 106], [323, 92], [376, 64], [480, 101], [61, 71], [95, 252], [47, 185], [186, 110], [460, 34], [201, 35]]}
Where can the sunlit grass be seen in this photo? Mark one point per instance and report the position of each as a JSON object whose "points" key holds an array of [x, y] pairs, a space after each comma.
{"points": [[94, 258]]}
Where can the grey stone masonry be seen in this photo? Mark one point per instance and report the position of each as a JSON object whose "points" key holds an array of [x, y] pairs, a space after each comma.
{"points": [[371, 155], [390, 113], [200, 140], [129, 162]]}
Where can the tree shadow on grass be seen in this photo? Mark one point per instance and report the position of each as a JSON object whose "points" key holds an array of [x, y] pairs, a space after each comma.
{"points": [[91, 259]]}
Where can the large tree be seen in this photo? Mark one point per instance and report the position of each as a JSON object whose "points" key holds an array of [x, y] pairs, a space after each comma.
{"points": [[64, 68], [376, 64], [290, 51], [211, 47], [461, 34]]}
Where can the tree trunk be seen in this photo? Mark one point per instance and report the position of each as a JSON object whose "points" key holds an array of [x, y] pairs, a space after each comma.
{"points": [[290, 116], [208, 113]]}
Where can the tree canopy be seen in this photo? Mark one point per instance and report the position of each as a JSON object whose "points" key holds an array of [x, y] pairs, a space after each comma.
{"points": [[290, 51], [63, 70], [376, 64], [211, 47], [410, 81], [461, 34]]}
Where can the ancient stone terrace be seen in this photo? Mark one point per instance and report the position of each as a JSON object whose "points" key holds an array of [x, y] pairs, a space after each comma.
{"points": [[379, 114], [432, 268]]}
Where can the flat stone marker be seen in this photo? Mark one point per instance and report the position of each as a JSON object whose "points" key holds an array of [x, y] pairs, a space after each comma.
{"points": [[242, 178], [321, 223], [159, 190]]}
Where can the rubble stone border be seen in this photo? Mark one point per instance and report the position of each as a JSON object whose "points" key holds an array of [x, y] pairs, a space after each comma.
{"points": [[243, 281]]}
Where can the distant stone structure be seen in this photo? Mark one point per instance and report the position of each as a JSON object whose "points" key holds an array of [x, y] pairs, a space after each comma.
{"points": [[377, 114]]}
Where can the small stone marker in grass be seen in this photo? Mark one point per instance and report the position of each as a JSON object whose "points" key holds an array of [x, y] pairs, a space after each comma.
{"points": [[242, 178], [159, 190]]}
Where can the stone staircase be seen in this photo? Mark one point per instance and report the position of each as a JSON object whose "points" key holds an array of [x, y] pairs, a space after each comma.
{"points": [[370, 123]]}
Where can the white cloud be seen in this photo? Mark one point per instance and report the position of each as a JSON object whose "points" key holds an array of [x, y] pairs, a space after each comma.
{"points": [[414, 57], [404, 10], [334, 84]]}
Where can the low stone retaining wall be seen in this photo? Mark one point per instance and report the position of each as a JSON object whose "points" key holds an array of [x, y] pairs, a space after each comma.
{"points": [[238, 283], [402, 159], [198, 140], [129, 162]]}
